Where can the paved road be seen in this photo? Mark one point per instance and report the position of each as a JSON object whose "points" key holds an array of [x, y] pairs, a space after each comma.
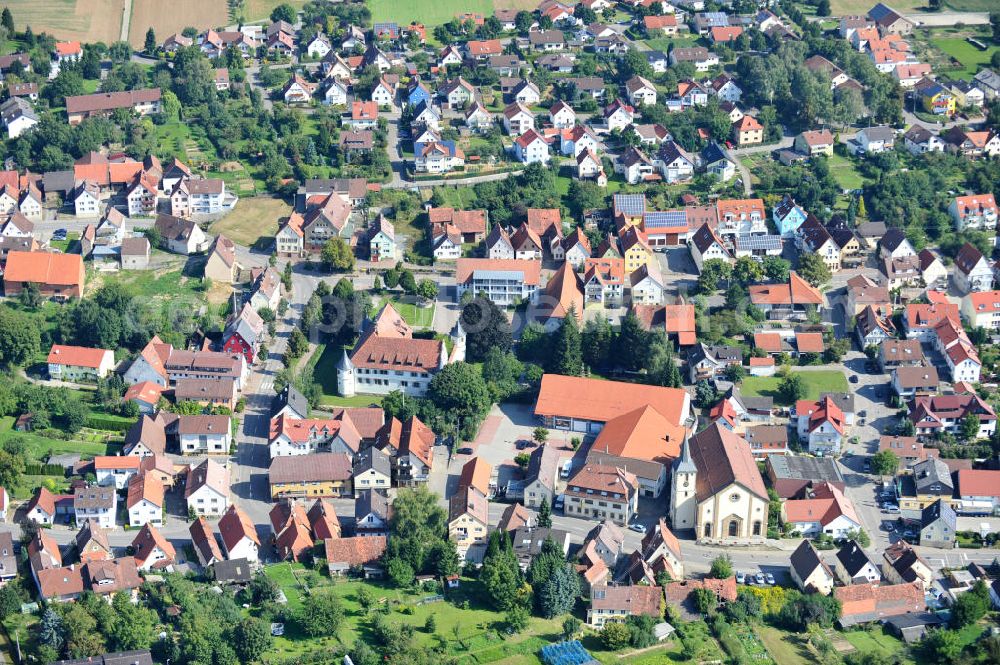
{"points": [[126, 20]]}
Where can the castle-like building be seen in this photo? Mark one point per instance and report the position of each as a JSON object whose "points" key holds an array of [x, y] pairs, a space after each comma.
{"points": [[717, 490], [387, 357]]}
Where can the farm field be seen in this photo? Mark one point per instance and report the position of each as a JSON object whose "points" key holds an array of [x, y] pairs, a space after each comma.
{"points": [[970, 57], [252, 218], [434, 12], [260, 10], [84, 20], [168, 18], [821, 381]]}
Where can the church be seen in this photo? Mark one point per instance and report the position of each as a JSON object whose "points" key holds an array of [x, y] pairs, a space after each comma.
{"points": [[717, 491], [388, 357]]}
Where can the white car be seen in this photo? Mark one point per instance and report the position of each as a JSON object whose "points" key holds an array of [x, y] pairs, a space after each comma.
{"points": [[759, 579], [741, 578], [638, 528]]}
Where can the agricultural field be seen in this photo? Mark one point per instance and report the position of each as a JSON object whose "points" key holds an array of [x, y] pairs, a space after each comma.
{"points": [[436, 12], [168, 18], [83, 20], [821, 381], [260, 10]]}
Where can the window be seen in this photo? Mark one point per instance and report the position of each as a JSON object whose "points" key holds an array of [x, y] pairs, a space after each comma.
{"points": [[734, 497], [756, 528], [734, 528], [708, 530]]}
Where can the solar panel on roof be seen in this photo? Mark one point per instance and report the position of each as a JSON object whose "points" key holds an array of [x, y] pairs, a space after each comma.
{"points": [[666, 218], [630, 204], [752, 243]]}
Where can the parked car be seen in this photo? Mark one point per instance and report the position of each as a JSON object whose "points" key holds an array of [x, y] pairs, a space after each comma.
{"points": [[770, 578], [891, 508], [567, 468], [465, 451], [59, 234], [741, 578], [760, 579], [854, 378], [638, 528], [559, 502]]}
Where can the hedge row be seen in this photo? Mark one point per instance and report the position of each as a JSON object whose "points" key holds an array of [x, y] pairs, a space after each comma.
{"points": [[107, 424]]}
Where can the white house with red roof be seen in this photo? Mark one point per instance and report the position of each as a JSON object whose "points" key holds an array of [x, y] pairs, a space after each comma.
{"points": [[239, 536], [78, 363], [975, 211], [824, 510], [952, 342], [981, 309], [823, 424], [531, 148], [387, 357]]}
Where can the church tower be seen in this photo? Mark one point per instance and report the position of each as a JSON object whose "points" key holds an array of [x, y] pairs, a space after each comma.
{"points": [[683, 502], [345, 376], [457, 342]]}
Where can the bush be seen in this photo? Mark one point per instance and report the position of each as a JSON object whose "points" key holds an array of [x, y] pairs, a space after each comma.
{"points": [[96, 421]]}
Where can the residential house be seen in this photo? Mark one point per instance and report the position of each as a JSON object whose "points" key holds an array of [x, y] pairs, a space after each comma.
{"points": [[181, 236], [96, 503], [972, 271], [617, 603], [823, 424], [809, 572], [58, 276], [817, 142], [825, 510], [152, 550], [145, 499], [938, 525], [468, 522], [311, 475], [239, 536], [975, 211], [79, 364], [852, 565], [207, 488], [505, 282]]}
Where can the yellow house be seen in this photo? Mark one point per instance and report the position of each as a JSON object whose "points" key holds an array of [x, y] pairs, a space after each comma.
{"points": [[635, 251], [928, 481], [221, 264], [468, 518], [937, 100], [311, 476]]}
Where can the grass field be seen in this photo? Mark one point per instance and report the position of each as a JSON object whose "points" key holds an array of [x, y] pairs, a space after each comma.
{"points": [[325, 374], [874, 641], [258, 10], [168, 18], [822, 381], [416, 316], [785, 648], [167, 283], [844, 172], [861, 7], [84, 20], [970, 58], [251, 219]]}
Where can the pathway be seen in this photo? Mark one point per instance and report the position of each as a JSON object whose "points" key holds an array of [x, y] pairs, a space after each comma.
{"points": [[126, 20]]}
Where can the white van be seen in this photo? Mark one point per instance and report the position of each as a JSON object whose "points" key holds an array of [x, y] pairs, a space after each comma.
{"points": [[566, 468]]}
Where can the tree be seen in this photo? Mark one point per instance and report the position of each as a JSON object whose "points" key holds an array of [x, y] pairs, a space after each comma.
{"points": [[50, 631], [150, 44], [544, 514], [884, 463], [133, 626], [800, 610], [337, 256], [705, 600], [283, 12], [792, 388], [722, 567], [823, 8], [298, 343], [558, 593], [516, 618], [567, 355], [10, 600], [813, 269], [540, 435], [969, 608], [735, 373], [263, 590], [995, 25], [400, 572], [321, 614], [776, 268], [970, 427], [615, 635], [459, 391], [418, 523], [945, 645], [20, 339], [486, 326], [642, 631], [748, 270], [596, 340], [632, 343], [427, 289], [11, 468], [251, 639], [7, 21], [501, 574], [705, 394], [712, 272], [571, 626], [120, 52]]}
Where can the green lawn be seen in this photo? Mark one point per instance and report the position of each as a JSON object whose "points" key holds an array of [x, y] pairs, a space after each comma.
{"points": [[428, 12], [325, 374], [663, 43], [970, 57], [874, 641], [413, 314], [844, 172], [822, 381]]}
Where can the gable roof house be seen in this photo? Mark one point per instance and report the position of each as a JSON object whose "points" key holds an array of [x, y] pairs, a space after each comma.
{"points": [[808, 570]]}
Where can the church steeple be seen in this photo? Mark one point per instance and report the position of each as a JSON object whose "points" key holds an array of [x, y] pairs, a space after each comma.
{"points": [[685, 464]]}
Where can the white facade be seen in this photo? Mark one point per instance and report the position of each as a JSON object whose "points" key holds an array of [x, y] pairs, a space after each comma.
{"points": [[206, 501], [145, 512]]}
